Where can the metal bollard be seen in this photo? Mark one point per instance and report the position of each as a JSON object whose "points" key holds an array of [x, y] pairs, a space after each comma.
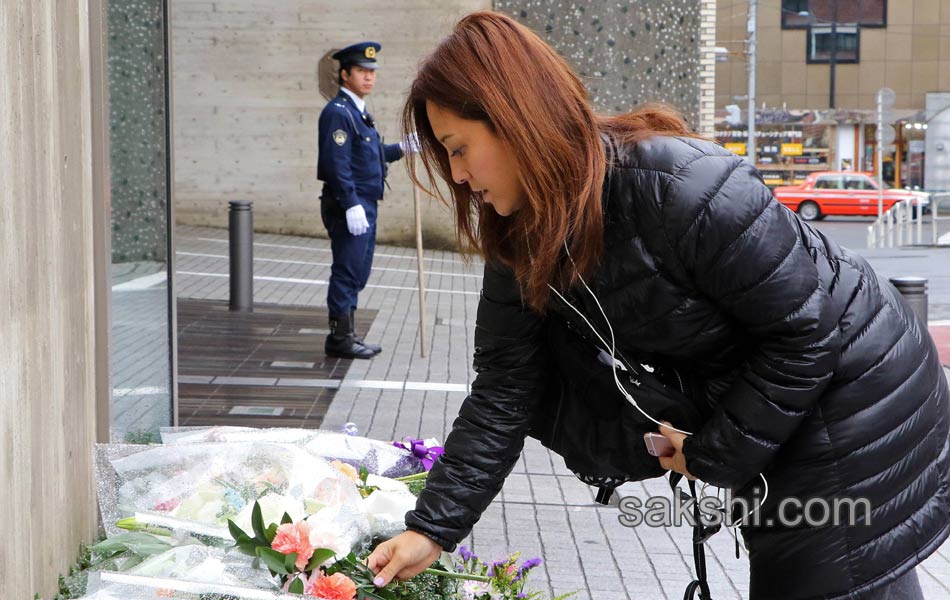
{"points": [[241, 246], [914, 290]]}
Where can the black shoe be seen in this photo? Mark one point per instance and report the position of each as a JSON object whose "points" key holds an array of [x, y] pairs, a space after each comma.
{"points": [[375, 348], [341, 343]]}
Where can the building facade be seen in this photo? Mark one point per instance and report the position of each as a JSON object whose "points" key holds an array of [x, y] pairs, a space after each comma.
{"points": [[820, 64]]}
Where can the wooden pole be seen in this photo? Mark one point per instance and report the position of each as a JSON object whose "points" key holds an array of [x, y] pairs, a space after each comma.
{"points": [[422, 284]]}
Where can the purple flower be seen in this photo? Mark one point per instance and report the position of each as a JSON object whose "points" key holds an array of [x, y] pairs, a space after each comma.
{"points": [[530, 564], [499, 566], [525, 567], [466, 554]]}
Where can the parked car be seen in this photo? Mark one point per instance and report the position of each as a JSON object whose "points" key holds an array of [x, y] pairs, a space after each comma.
{"points": [[826, 193]]}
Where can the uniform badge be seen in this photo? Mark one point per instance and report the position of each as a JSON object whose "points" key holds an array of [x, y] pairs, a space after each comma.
{"points": [[339, 136], [371, 52]]}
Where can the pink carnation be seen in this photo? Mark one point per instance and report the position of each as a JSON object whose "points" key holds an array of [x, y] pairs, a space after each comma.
{"points": [[294, 537], [335, 587]]}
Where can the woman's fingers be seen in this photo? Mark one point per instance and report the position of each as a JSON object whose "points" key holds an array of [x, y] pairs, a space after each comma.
{"points": [[676, 438], [378, 558], [393, 568], [402, 557], [677, 462]]}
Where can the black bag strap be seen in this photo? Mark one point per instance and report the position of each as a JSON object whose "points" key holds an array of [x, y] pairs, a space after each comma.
{"points": [[701, 533]]}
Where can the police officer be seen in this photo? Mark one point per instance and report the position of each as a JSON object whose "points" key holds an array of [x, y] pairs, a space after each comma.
{"points": [[352, 165]]}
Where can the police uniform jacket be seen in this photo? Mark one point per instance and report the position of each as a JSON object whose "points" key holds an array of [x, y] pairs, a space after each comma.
{"points": [[810, 369], [352, 160]]}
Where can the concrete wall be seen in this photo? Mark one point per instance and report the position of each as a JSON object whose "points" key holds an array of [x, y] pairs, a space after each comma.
{"points": [[47, 366], [246, 103], [911, 56], [627, 52]]}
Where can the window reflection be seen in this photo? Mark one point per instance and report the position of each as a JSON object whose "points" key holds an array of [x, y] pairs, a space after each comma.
{"points": [[139, 337]]}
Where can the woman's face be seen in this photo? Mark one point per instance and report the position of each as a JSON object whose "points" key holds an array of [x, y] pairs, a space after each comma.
{"points": [[479, 158]]}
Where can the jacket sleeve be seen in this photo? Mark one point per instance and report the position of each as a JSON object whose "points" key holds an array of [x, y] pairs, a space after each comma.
{"points": [[335, 156], [744, 252], [487, 437], [392, 152]]}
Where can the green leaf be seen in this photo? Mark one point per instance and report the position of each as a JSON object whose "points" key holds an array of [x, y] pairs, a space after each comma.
{"points": [[296, 587], [286, 519], [320, 556], [273, 559], [249, 547], [374, 593], [236, 532], [290, 561], [257, 522], [271, 533], [142, 544], [245, 543]]}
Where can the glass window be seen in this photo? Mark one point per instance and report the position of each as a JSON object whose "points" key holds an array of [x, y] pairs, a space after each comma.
{"points": [[141, 309], [829, 183], [821, 42], [799, 14], [796, 14], [857, 182]]}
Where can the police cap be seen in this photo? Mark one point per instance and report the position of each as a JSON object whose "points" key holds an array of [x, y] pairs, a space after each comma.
{"points": [[361, 55]]}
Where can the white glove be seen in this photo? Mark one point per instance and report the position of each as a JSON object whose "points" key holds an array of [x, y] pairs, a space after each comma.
{"points": [[356, 220], [410, 144]]}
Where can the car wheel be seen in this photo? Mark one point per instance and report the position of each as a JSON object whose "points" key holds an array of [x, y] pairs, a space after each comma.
{"points": [[809, 211]]}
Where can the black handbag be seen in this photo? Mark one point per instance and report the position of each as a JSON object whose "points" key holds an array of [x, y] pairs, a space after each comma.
{"points": [[585, 419]]}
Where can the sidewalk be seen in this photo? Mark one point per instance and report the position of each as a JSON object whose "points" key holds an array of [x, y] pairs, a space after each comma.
{"points": [[543, 510], [921, 261]]}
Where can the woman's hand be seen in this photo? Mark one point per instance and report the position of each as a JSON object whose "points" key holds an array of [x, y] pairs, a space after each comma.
{"points": [[677, 462], [402, 557]]}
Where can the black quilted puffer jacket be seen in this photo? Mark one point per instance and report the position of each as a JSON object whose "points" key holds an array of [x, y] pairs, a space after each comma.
{"points": [[809, 369]]}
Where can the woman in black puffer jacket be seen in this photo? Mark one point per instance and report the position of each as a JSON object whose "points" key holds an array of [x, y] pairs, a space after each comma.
{"points": [[804, 369]]}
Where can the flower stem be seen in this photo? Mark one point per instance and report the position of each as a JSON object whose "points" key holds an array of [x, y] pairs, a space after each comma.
{"points": [[451, 575], [414, 477]]}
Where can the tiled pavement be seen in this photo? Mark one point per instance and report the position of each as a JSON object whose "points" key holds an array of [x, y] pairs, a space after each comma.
{"points": [[543, 510]]}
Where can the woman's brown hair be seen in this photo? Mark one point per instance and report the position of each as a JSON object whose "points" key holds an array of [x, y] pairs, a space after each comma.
{"points": [[494, 70]]}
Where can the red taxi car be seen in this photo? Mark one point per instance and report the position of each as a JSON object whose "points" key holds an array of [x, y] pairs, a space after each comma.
{"points": [[826, 193]]}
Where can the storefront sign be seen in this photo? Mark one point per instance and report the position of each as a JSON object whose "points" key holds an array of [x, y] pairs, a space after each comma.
{"points": [[791, 149], [759, 133], [736, 148]]}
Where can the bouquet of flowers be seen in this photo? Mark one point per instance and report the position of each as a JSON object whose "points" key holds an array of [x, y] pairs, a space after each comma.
{"points": [[297, 554], [302, 508]]}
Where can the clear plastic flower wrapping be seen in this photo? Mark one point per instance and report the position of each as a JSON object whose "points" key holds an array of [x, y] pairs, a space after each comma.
{"points": [[201, 477]]}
